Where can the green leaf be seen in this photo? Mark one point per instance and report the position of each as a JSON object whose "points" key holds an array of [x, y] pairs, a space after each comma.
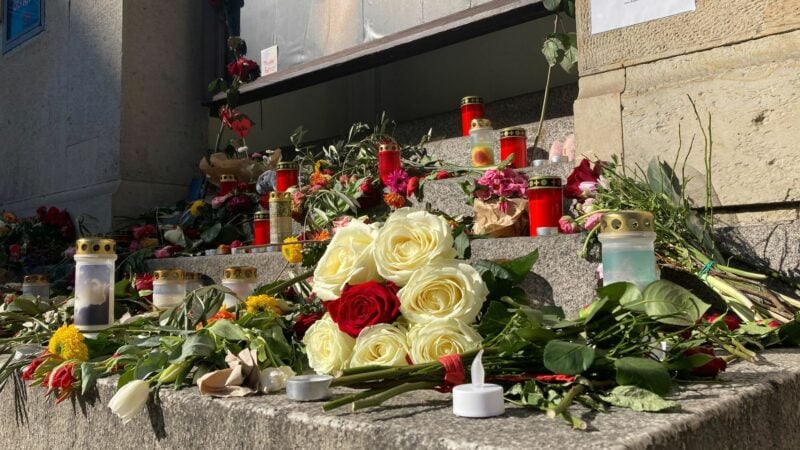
{"points": [[227, 330], [461, 243], [627, 294], [88, 377], [637, 399], [592, 309], [551, 5], [494, 320], [552, 51], [121, 288], [790, 332], [196, 345], [497, 271], [662, 179], [152, 363], [24, 305], [689, 362], [568, 6], [672, 304], [567, 358], [209, 235], [644, 373], [520, 267], [569, 59], [127, 376]]}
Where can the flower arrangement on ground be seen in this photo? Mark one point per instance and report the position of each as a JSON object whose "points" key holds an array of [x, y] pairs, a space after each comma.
{"points": [[499, 198]]}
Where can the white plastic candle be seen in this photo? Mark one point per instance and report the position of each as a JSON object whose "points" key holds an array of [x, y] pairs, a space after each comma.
{"points": [[478, 399]]}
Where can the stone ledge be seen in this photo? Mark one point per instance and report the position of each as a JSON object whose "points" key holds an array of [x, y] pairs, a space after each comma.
{"points": [[753, 406]]}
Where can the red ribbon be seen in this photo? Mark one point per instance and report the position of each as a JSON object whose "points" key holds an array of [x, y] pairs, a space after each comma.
{"points": [[453, 372]]}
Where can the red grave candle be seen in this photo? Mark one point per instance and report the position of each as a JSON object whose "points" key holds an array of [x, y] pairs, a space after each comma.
{"points": [[227, 183], [545, 202], [286, 176], [471, 108], [514, 142], [388, 160], [261, 228]]}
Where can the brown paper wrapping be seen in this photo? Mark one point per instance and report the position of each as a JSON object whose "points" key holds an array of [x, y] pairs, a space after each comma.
{"points": [[491, 221], [241, 378]]}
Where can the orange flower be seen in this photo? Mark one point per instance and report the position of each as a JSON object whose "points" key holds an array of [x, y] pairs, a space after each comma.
{"points": [[9, 217], [394, 201], [319, 179], [220, 315], [320, 236]]}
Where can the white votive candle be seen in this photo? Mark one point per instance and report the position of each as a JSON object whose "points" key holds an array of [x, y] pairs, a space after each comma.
{"points": [[308, 388], [478, 399]]}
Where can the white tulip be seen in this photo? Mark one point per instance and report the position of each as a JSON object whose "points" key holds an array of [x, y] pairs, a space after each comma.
{"points": [[130, 399]]}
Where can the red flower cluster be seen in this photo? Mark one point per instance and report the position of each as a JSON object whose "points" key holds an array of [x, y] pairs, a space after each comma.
{"points": [[144, 282], [144, 231], [730, 320], [709, 369], [30, 370], [57, 218], [581, 174], [363, 305], [243, 68]]}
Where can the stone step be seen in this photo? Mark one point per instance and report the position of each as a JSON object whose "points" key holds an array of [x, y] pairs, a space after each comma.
{"points": [[753, 406]]}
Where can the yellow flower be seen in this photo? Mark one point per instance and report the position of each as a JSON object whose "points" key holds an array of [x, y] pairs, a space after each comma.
{"points": [[263, 303], [67, 342], [292, 253], [196, 206], [318, 165]]}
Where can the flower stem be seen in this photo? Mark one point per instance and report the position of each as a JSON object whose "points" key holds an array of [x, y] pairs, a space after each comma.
{"points": [[376, 400], [565, 402]]}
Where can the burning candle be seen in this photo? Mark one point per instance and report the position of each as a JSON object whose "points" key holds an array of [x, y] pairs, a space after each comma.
{"points": [[545, 202], [287, 175], [627, 239], [227, 182], [94, 283], [261, 228], [471, 108], [242, 281], [478, 399], [388, 160], [514, 142], [169, 288], [308, 388], [36, 285]]}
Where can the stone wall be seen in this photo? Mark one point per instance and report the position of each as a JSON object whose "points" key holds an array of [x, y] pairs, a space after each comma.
{"points": [[101, 113], [738, 59]]}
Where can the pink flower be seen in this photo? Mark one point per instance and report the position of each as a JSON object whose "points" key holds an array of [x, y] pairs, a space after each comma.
{"points": [[556, 149], [70, 252], [167, 251], [567, 225], [592, 221], [144, 231], [506, 183], [503, 206], [144, 282], [220, 200], [588, 188], [599, 271], [239, 204], [340, 223], [397, 182], [236, 244]]}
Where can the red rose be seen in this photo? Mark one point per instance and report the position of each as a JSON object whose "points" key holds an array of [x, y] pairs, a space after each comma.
{"points": [[144, 282], [774, 324], [41, 211], [14, 250], [243, 68], [580, 174], [303, 322], [709, 369], [730, 321], [53, 216], [62, 377], [144, 231], [411, 187], [29, 371], [364, 305]]}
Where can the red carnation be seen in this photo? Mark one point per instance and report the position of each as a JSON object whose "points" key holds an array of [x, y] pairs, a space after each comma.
{"points": [[145, 231], [557, 378], [364, 305], [709, 369], [303, 322]]}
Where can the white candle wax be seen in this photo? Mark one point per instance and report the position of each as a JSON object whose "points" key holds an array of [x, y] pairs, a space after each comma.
{"points": [[308, 388]]}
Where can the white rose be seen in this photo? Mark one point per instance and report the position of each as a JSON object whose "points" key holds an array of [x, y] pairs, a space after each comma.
{"points": [[409, 240], [429, 342], [380, 345], [348, 259], [441, 291], [328, 348]]}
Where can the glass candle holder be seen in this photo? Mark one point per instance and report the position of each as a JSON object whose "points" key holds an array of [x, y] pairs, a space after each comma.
{"points": [[242, 281], [194, 280], [545, 202], [388, 160], [287, 175], [481, 141], [169, 288], [471, 108], [514, 142], [261, 228], [627, 241], [94, 283], [227, 183], [36, 285], [280, 218]]}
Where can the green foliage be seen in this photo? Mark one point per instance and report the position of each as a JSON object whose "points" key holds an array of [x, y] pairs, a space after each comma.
{"points": [[644, 373], [567, 357], [638, 399], [561, 49]]}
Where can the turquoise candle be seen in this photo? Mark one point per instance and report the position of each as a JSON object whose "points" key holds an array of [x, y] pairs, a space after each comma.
{"points": [[627, 239]]}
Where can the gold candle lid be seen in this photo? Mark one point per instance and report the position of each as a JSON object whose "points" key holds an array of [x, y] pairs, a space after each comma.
{"points": [[169, 275], [389, 147], [471, 100], [288, 165], [279, 196], [239, 273], [261, 215], [627, 222], [95, 246], [227, 177], [512, 132], [192, 275], [480, 123], [544, 182], [35, 278]]}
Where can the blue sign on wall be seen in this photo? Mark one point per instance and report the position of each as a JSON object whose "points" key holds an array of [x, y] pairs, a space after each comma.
{"points": [[22, 19]]}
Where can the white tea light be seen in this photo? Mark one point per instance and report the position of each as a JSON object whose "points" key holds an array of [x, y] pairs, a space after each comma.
{"points": [[308, 388], [478, 399]]}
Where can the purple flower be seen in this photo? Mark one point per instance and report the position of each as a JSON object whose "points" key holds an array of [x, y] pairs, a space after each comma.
{"points": [[397, 182]]}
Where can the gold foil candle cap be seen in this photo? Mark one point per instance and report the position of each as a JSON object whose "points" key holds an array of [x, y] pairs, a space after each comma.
{"points": [[227, 177], [192, 276], [389, 147], [544, 182], [261, 215], [239, 273], [279, 196], [169, 275], [627, 222], [95, 246], [480, 123], [35, 278], [471, 100], [288, 165], [512, 132]]}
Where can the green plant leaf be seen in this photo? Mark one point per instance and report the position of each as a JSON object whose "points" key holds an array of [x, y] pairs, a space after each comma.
{"points": [[495, 319], [627, 294], [569, 59], [461, 243], [153, 362], [552, 50], [520, 267], [567, 358], [227, 330], [551, 5], [88, 377], [209, 235], [670, 303], [637, 399], [196, 345], [644, 373]]}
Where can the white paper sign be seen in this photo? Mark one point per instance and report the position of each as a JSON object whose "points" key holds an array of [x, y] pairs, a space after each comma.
{"points": [[613, 14], [269, 60]]}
